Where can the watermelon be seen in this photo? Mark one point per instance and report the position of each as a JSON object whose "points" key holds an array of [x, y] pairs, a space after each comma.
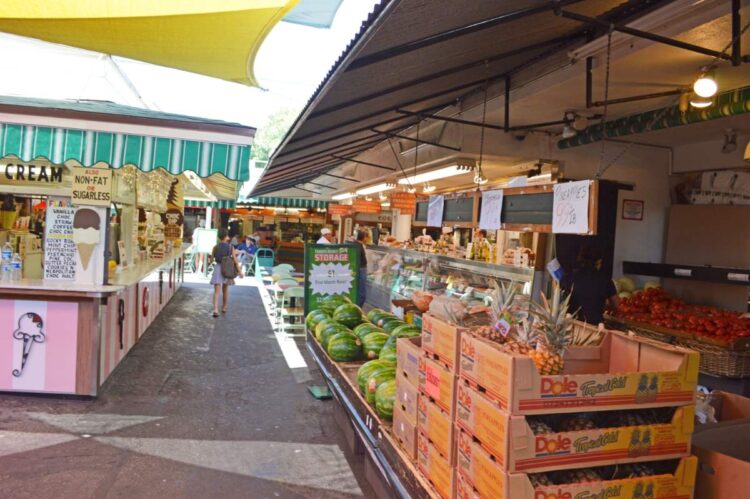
{"points": [[388, 352], [376, 378], [384, 397], [348, 314], [364, 329], [406, 331], [330, 303], [390, 325], [314, 317], [385, 317], [330, 331], [320, 326], [375, 315], [344, 347], [373, 343], [363, 374]]}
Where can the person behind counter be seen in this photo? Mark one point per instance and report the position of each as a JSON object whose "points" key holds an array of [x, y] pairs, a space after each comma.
{"points": [[221, 283], [480, 247], [361, 238], [592, 291], [326, 236]]}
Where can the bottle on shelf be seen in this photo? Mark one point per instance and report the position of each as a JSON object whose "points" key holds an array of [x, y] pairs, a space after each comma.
{"points": [[4, 270], [16, 268], [7, 251]]}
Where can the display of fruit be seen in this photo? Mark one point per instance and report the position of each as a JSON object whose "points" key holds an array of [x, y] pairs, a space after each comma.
{"points": [[314, 317], [540, 480], [406, 331], [502, 319], [333, 329], [582, 475], [384, 397], [373, 343], [330, 303], [390, 324], [363, 373], [344, 347], [553, 326], [657, 307], [576, 423], [633, 470], [376, 378], [449, 309], [625, 283], [538, 426], [388, 352], [348, 314], [520, 340], [375, 314], [323, 324], [366, 328]]}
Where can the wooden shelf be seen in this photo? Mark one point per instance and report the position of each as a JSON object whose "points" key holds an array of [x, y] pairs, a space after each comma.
{"points": [[720, 275]]}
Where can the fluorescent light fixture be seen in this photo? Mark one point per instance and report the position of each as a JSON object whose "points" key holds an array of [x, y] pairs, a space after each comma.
{"points": [[449, 171], [343, 195], [374, 189]]}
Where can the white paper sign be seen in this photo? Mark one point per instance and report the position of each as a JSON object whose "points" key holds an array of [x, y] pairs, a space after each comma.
{"points": [[331, 278], [492, 210], [570, 208], [59, 250], [435, 211]]}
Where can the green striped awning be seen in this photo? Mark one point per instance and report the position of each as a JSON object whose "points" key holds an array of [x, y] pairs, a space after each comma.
{"points": [[87, 147], [284, 202], [223, 203]]}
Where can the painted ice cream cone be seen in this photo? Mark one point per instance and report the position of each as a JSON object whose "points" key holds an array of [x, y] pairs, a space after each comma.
{"points": [[86, 226]]}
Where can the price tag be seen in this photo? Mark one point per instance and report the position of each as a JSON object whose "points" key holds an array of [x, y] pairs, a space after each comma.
{"points": [[683, 272], [503, 327]]}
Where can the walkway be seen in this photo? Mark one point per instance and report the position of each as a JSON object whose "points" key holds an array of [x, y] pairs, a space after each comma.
{"points": [[201, 408]]}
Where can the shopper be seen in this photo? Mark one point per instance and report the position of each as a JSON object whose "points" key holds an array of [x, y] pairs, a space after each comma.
{"points": [[223, 275], [326, 236], [591, 289], [361, 238]]}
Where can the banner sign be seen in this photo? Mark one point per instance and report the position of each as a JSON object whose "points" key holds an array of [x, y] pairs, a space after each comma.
{"points": [[330, 269], [365, 206], [339, 209], [406, 202], [435, 211]]}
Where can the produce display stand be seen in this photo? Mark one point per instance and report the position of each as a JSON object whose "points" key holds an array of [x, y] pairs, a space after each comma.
{"points": [[394, 465]]}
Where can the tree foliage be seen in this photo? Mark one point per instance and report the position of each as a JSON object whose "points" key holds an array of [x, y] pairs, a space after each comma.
{"points": [[269, 136]]}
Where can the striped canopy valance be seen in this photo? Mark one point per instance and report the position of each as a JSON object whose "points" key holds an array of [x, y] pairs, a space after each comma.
{"points": [[59, 145], [224, 203], [284, 202]]}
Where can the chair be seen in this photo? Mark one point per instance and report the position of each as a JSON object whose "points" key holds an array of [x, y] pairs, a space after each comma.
{"points": [[280, 286], [292, 314], [264, 258], [285, 267], [189, 263]]}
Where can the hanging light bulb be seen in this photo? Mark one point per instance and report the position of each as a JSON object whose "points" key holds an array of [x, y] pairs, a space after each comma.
{"points": [[428, 188], [411, 190], [569, 132], [368, 198], [700, 102], [382, 196], [705, 85]]}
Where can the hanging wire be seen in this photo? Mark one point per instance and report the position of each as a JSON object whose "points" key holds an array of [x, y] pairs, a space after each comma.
{"points": [[601, 168], [401, 167], [479, 173]]}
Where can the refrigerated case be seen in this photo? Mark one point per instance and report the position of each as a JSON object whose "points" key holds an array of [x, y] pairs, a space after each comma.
{"points": [[394, 273]]}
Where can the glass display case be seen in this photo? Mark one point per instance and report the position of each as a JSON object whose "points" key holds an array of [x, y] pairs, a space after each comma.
{"points": [[395, 273]]}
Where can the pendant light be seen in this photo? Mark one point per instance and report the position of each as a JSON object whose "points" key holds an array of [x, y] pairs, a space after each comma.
{"points": [[700, 102], [705, 85]]}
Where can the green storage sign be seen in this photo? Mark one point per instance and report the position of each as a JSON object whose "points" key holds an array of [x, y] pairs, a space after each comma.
{"points": [[330, 269]]}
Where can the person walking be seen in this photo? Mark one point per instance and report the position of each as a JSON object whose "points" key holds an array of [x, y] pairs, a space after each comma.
{"points": [[224, 273], [361, 238]]}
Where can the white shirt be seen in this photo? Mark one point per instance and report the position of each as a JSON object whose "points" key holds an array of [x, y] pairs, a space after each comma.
{"points": [[323, 240]]}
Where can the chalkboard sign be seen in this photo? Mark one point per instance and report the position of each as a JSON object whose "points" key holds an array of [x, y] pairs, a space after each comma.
{"points": [[421, 215], [527, 209], [459, 210], [59, 249]]}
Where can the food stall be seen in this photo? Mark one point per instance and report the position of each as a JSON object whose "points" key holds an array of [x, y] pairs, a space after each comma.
{"points": [[93, 200]]}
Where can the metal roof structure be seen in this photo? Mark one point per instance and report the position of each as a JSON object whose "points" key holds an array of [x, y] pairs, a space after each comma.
{"points": [[420, 56]]}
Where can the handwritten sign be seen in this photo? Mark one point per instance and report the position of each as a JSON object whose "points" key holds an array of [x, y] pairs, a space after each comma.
{"points": [[405, 202], [492, 210], [365, 206], [435, 211], [570, 208], [59, 250], [339, 209], [92, 186]]}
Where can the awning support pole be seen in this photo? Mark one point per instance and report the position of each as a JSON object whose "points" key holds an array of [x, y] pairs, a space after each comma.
{"points": [[736, 32], [340, 177], [506, 126], [306, 190], [405, 137], [374, 165], [320, 185]]}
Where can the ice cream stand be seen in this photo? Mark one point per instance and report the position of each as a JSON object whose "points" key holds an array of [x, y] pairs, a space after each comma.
{"points": [[106, 187]]}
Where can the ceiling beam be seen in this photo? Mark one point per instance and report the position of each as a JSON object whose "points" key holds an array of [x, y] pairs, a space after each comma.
{"points": [[360, 162], [420, 141]]}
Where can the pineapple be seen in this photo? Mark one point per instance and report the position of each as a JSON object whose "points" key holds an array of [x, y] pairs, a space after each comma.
{"points": [[500, 301], [553, 325], [634, 470], [521, 339], [582, 475], [539, 427], [539, 480], [577, 423]]}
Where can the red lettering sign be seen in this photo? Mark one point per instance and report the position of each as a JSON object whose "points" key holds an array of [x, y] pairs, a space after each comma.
{"points": [[365, 206], [406, 202], [562, 387]]}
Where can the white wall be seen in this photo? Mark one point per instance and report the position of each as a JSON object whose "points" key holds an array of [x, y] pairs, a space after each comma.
{"points": [[707, 155]]}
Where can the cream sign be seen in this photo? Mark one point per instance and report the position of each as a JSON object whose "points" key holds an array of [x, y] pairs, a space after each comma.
{"points": [[92, 186], [45, 174]]}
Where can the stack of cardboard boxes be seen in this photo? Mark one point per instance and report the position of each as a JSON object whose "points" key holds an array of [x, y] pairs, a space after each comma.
{"points": [[477, 408], [408, 353]]}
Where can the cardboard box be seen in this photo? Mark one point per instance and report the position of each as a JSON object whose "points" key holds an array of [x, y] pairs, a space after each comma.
{"points": [[479, 472], [623, 372], [723, 451], [441, 340], [728, 407], [515, 447], [407, 395], [438, 382], [464, 490], [405, 432], [437, 426], [408, 353], [434, 467]]}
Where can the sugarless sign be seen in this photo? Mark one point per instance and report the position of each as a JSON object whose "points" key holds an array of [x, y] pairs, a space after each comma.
{"points": [[33, 173]]}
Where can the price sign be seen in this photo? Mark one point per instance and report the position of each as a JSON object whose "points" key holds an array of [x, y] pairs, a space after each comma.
{"points": [[365, 206], [570, 208], [60, 250], [330, 269], [492, 210], [405, 202], [435, 211], [339, 209]]}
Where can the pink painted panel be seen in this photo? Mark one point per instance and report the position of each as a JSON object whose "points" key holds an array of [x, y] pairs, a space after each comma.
{"points": [[62, 343], [7, 326]]}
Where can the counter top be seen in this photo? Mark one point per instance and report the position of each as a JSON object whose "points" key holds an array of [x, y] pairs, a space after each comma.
{"points": [[127, 277]]}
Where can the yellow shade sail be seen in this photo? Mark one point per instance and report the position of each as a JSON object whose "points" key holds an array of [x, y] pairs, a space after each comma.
{"points": [[218, 38]]}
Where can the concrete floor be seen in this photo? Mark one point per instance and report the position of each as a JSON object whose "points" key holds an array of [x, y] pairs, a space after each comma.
{"points": [[200, 408]]}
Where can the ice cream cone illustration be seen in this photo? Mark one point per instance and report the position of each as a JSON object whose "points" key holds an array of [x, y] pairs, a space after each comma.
{"points": [[29, 331], [86, 226]]}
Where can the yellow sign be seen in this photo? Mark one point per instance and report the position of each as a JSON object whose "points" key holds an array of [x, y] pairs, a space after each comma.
{"points": [[92, 186]]}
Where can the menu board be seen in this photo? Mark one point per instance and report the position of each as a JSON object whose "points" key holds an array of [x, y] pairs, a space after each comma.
{"points": [[405, 202], [492, 210], [435, 211], [59, 250], [570, 208]]}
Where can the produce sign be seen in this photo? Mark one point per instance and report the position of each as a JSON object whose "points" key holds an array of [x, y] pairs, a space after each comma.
{"points": [[405, 202], [330, 269], [339, 209], [656, 307], [365, 206]]}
